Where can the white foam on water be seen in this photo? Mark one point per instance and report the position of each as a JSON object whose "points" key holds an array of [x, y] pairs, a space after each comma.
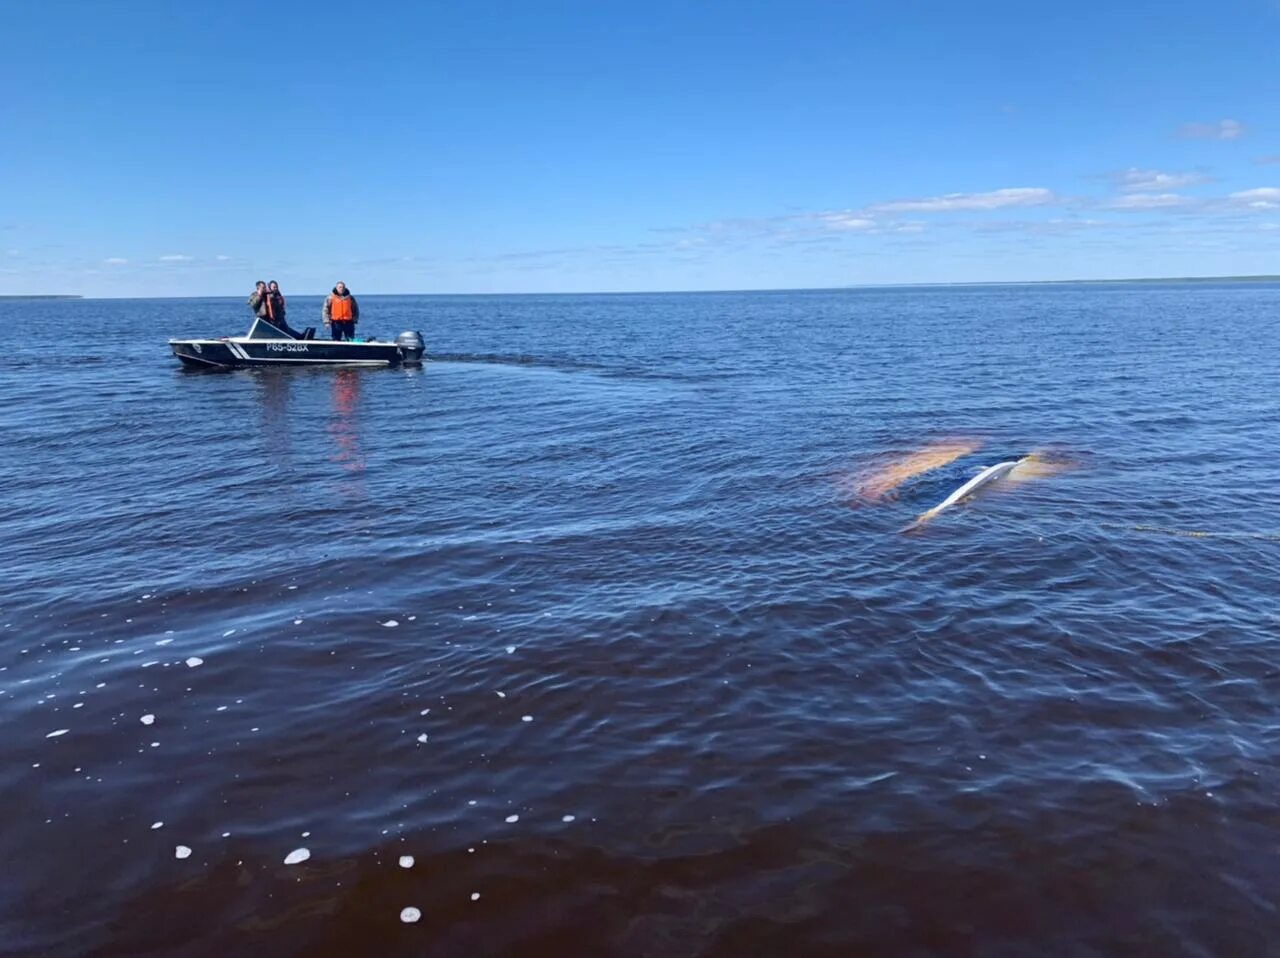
{"points": [[406, 861], [410, 915], [567, 818], [526, 718], [297, 622], [163, 641], [57, 732], [502, 695], [510, 649], [228, 632], [512, 819], [422, 737], [424, 711], [194, 661], [221, 708], [147, 719], [78, 705], [182, 851], [390, 623], [297, 856], [475, 896], [156, 825]]}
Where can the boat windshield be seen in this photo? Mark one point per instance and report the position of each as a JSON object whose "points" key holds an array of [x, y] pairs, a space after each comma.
{"points": [[261, 329]]}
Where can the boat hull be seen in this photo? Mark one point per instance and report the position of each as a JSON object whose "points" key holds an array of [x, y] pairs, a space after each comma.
{"points": [[238, 352]]}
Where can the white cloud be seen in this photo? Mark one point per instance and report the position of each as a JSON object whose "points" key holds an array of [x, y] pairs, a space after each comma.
{"points": [[176, 258], [846, 221], [221, 258], [1222, 130], [115, 261], [953, 202], [1134, 180], [1262, 198], [1148, 201]]}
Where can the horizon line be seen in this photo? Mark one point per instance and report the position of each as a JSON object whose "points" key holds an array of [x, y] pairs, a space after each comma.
{"points": [[1242, 278]]}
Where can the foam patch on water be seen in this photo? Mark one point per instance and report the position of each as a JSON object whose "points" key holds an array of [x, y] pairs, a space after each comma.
{"points": [[410, 915], [147, 719], [58, 732], [512, 819], [194, 661], [182, 851], [297, 856], [406, 861], [390, 624]]}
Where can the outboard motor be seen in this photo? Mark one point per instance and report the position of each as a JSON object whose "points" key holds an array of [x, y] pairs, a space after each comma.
{"points": [[411, 346]]}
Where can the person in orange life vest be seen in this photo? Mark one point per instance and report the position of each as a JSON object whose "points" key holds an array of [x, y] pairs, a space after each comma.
{"points": [[341, 312], [276, 304], [268, 303]]}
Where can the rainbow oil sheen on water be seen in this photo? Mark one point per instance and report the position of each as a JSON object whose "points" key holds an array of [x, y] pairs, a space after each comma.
{"points": [[600, 634]]}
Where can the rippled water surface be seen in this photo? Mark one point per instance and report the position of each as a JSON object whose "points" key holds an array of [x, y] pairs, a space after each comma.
{"points": [[591, 617]]}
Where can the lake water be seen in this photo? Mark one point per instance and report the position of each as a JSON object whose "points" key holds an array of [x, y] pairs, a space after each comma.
{"points": [[592, 617]]}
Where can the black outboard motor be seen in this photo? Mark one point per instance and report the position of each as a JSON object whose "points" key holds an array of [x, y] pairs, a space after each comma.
{"points": [[411, 346]]}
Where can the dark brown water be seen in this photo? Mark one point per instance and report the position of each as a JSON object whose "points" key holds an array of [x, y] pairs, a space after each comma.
{"points": [[586, 618]]}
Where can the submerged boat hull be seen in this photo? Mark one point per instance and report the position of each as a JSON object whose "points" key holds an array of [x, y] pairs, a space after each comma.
{"points": [[237, 352]]}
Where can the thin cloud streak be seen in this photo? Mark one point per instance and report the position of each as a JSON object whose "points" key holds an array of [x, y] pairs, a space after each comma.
{"points": [[970, 202], [1222, 130], [1149, 201], [1134, 180]]}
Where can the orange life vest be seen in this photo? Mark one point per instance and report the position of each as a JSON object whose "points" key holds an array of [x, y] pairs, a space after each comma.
{"points": [[339, 308]]}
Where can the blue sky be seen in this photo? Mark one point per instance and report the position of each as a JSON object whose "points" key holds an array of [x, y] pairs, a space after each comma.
{"points": [[191, 148]]}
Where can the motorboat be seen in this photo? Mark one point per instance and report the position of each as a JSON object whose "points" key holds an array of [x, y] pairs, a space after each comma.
{"points": [[268, 345]]}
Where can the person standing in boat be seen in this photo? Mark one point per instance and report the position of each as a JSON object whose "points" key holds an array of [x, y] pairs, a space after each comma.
{"points": [[341, 312], [276, 307], [258, 300], [267, 303]]}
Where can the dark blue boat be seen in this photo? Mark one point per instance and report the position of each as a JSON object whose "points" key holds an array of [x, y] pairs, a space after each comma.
{"points": [[266, 345]]}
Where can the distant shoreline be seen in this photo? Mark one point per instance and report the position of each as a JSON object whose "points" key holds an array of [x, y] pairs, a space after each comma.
{"points": [[1261, 278], [1147, 280]]}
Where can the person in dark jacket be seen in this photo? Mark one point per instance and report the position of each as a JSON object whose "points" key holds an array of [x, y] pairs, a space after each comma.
{"points": [[341, 312]]}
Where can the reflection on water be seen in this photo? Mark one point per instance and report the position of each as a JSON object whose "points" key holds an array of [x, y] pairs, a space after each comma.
{"points": [[274, 387], [344, 427]]}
